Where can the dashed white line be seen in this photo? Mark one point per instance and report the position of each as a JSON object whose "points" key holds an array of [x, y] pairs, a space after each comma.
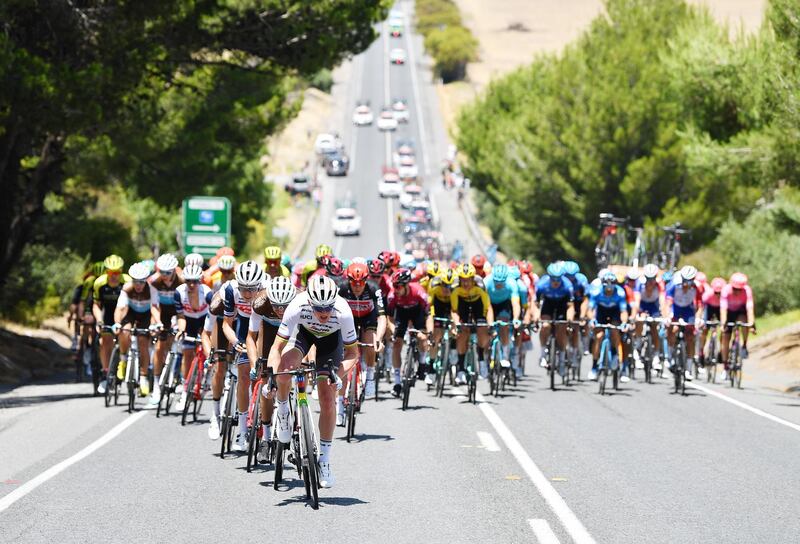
{"points": [[744, 406], [488, 441], [544, 534], [30, 485]]}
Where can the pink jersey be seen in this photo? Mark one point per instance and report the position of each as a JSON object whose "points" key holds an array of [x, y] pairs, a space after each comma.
{"points": [[710, 298], [415, 296], [736, 300]]}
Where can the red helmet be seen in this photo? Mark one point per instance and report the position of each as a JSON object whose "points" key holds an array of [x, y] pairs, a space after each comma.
{"points": [[478, 261], [718, 284], [738, 280], [386, 257], [335, 266], [701, 278], [402, 277], [323, 260], [376, 267], [525, 267], [513, 262], [395, 258], [453, 265], [357, 272]]}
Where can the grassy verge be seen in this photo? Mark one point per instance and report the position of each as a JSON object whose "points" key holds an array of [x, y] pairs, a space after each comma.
{"points": [[773, 322]]}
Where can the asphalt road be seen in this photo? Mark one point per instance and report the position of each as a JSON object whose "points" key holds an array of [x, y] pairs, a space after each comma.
{"points": [[642, 465]]}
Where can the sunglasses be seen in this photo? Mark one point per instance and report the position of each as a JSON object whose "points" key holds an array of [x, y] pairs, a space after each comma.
{"points": [[281, 307], [322, 309], [192, 282], [248, 289], [113, 273], [358, 283], [165, 272], [139, 282], [273, 262]]}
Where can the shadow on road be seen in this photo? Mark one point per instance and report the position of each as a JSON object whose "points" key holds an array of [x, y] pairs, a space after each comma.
{"points": [[365, 437], [17, 402]]}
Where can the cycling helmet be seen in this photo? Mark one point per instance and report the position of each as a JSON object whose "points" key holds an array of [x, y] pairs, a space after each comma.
{"points": [[167, 262], [386, 257], [249, 274], [138, 272], [272, 253], [334, 266], [435, 268], [395, 258], [226, 262], [322, 291], [633, 274], [500, 273], [113, 263], [376, 267], [571, 268], [322, 250], [718, 284], [514, 273], [286, 260], [650, 271], [512, 262], [150, 264], [688, 273], [466, 271], [97, 269], [225, 251], [281, 291], [555, 270], [361, 260], [357, 272], [192, 273], [608, 277], [193, 258], [668, 276], [478, 261], [402, 277], [525, 267], [448, 277], [702, 278], [738, 280]]}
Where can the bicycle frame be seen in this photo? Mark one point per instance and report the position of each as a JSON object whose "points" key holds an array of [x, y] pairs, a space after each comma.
{"points": [[607, 362]]}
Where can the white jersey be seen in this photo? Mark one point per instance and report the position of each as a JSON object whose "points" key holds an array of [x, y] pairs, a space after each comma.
{"points": [[183, 305], [299, 314]]}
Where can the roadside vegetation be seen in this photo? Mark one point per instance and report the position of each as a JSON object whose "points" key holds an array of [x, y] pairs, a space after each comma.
{"points": [[447, 40], [657, 114], [111, 114]]}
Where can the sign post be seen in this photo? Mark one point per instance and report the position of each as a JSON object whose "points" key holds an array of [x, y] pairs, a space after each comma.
{"points": [[206, 224]]}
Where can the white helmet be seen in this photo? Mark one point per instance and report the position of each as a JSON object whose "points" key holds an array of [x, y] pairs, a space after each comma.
{"points": [[193, 258], [322, 291], [688, 273], [249, 274], [281, 291], [633, 274], [167, 262], [650, 271], [226, 262], [192, 273], [139, 271]]}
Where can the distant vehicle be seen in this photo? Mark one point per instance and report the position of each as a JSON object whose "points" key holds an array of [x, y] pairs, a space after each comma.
{"points": [[409, 194], [390, 185], [396, 27], [407, 168], [326, 143], [397, 56], [299, 185], [402, 148], [400, 111], [386, 120], [346, 222], [362, 116], [336, 164]]}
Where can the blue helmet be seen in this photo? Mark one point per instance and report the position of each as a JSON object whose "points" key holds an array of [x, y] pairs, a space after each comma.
{"points": [[286, 260], [555, 270], [500, 273], [514, 272], [667, 276], [608, 277], [571, 268]]}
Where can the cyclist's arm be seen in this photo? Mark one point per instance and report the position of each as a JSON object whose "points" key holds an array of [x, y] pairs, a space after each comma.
{"points": [[381, 332], [274, 360], [206, 335], [454, 306], [252, 339], [570, 310], [155, 308], [122, 307], [515, 308]]}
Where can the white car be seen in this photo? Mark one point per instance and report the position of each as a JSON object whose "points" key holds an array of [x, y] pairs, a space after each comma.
{"points": [[362, 116], [404, 148], [346, 222], [400, 111], [326, 143], [410, 194], [397, 56], [386, 120], [407, 168], [390, 185]]}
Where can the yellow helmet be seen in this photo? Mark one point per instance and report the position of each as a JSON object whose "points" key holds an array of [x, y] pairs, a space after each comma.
{"points": [[114, 263], [466, 271], [322, 250], [435, 269], [448, 277], [272, 253]]}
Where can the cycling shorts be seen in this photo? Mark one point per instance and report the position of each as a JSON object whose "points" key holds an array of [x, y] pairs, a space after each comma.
{"points": [[167, 313], [415, 314], [76, 295], [686, 313], [712, 313], [606, 316], [330, 350], [440, 309], [469, 311], [650, 308], [268, 334], [503, 310], [194, 327], [139, 320], [733, 317], [556, 308]]}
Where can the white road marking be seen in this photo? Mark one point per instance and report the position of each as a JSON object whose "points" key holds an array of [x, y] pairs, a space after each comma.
{"points": [[390, 222], [488, 441], [359, 71], [744, 406], [544, 534], [412, 65], [30, 485], [387, 134], [568, 519], [338, 249]]}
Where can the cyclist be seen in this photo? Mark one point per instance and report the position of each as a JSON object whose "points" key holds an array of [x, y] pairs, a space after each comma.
{"points": [[391, 259], [479, 262], [407, 302], [318, 317], [684, 301], [554, 297], [334, 268], [165, 281], [736, 304], [439, 291], [470, 303], [270, 306], [527, 293], [83, 311], [366, 302], [711, 302], [650, 299], [191, 301], [580, 294], [504, 297], [316, 265], [105, 292], [432, 270], [607, 305], [137, 306], [193, 258], [273, 264], [238, 296], [377, 273], [215, 339]]}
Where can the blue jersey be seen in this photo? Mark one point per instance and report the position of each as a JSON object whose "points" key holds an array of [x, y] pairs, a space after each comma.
{"points": [[504, 292], [580, 286], [546, 289], [522, 289], [615, 300]]}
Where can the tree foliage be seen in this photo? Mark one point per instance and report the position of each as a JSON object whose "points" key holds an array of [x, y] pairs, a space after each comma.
{"points": [[447, 40]]}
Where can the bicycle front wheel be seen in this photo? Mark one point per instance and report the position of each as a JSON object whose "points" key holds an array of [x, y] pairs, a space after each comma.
{"points": [[310, 467], [255, 427], [281, 447], [190, 397]]}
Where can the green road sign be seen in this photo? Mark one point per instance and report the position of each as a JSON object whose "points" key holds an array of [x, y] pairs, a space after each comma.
{"points": [[206, 224]]}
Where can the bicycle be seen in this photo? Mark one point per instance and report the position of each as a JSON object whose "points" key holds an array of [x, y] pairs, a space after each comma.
{"points": [[470, 366], [197, 381], [442, 364], [647, 350], [555, 355], [574, 353], [610, 249], [735, 354], [639, 256], [609, 361], [410, 365], [670, 246], [170, 377], [254, 418], [680, 357], [710, 361], [498, 374], [354, 396], [132, 369], [113, 384], [88, 358], [228, 418]]}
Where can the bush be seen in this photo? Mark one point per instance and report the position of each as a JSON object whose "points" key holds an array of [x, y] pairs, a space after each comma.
{"points": [[452, 47], [322, 80]]}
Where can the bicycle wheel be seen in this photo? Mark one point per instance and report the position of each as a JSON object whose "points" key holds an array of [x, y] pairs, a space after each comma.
{"points": [[205, 387], [94, 362], [190, 387], [130, 379], [252, 442], [615, 379], [310, 467], [350, 411], [225, 424], [279, 450], [678, 370], [601, 378]]}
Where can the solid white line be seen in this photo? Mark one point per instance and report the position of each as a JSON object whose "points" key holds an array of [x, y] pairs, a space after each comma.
{"points": [[359, 72], [387, 134], [412, 65], [744, 406], [30, 485], [544, 534], [488, 441], [567, 517], [386, 94]]}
